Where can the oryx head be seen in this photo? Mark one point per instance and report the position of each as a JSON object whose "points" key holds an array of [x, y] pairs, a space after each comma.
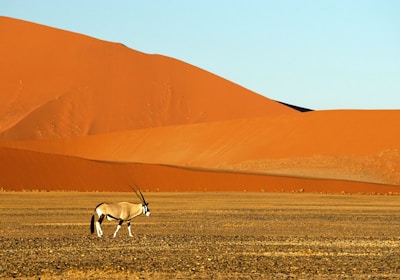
{"points": [[145, 205]]}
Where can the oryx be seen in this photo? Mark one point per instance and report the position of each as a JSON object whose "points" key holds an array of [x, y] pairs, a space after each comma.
{"points": [[121, 211]]}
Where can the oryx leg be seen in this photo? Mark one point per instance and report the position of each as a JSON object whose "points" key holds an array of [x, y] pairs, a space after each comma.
{"points": [[129, 229], [118, 227], [98, 225]]}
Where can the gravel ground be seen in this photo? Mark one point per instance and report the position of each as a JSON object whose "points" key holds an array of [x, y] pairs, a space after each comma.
{"points": [[203, 236]]}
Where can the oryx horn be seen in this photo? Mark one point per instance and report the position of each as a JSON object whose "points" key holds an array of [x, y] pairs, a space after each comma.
{"points": [[141, 197]]}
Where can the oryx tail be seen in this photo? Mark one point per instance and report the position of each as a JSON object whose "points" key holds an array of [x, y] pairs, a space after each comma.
{"points": [[92, 224]]}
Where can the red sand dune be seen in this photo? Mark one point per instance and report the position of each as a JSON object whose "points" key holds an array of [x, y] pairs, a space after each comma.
{"points": [[57, 84], [79, 113]]}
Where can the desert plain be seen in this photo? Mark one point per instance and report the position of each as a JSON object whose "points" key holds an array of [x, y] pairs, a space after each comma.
{"points": [[230, 235]]}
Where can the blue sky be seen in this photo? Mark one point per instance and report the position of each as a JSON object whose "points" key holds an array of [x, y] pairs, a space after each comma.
{"points": [[321, 54]]}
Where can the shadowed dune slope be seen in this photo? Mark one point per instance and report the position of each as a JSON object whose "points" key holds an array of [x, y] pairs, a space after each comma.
{"points": [[27, 170], [57, 83]]}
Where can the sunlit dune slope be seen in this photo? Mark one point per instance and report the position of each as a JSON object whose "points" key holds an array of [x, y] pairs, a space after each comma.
{"points": [[348, 145], [26, 170], [57, 83]]}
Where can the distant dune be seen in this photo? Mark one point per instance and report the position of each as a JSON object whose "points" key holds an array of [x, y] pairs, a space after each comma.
{"points": [[78, 113]]}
